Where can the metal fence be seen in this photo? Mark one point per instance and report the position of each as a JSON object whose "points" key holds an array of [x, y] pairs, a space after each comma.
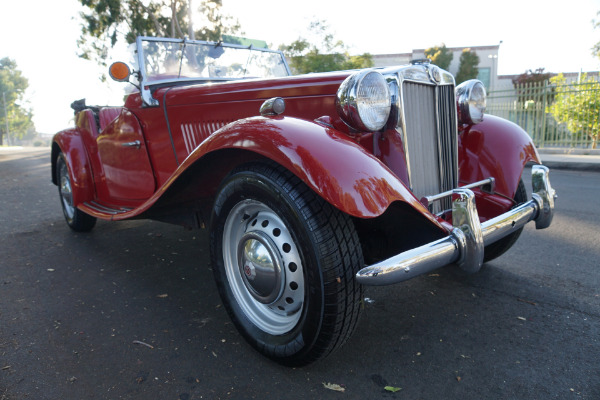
{"points": [[554, 113]]}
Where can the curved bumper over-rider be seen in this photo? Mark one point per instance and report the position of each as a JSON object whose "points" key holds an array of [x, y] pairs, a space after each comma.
{"points": [[465, 245]]}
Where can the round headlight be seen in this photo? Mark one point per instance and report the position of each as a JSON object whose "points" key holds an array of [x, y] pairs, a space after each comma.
{"points": [[364, 101], [470, 96]]}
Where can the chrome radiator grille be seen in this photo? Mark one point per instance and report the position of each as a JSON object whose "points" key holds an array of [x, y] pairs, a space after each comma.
{"points": [[429, 115]]}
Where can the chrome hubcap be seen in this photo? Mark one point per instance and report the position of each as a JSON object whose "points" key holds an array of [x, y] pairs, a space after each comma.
{"points": [[263, 267], [66, 193], [260, 267]]}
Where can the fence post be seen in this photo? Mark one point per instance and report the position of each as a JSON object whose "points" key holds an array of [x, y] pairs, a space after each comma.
{"points": [[544, 87]]}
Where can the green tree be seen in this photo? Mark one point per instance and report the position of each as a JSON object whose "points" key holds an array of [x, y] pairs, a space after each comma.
{"points": [[12, 111], [469, 60], [596, 48], [578, 106], [329, 54], [105, 22], [217, 24], [440, 56]]}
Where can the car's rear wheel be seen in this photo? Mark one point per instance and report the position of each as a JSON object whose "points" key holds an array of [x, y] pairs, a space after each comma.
{"points": [[500, 247], [284, 261], [76, 219]]}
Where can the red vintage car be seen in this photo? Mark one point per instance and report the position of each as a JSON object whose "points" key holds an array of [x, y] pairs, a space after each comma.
{"points": [[311, 186]]}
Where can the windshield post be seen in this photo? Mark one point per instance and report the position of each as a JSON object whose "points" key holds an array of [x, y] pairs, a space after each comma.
{"points": [[144, 89]]}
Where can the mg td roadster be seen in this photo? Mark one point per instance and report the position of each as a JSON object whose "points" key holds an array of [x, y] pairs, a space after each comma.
{"points": [[311, 186]]}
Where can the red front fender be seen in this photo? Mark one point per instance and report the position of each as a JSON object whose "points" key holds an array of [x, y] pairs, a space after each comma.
{"points": [[495, 147], [336, 168]]}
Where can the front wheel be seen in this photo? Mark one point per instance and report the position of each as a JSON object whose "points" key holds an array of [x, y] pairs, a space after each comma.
{"points": [[76, 219], [284, 261]]}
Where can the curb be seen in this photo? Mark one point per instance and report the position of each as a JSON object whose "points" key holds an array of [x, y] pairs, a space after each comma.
{"points": [[573, 165], [569, 151]]}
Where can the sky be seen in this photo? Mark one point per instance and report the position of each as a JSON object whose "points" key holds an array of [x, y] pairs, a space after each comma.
{"points": [[41, 36]]}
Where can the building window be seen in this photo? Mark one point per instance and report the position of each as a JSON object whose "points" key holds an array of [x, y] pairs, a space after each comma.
{"points": [[484, 76]]}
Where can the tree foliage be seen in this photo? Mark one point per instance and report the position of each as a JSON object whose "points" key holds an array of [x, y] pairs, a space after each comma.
{"points": [[440, 56], [530, 84], [217, 24], [322, 53], [578, 106], [596, 48], [532, 77], [469, 60], [12, 90], [105, 22]]}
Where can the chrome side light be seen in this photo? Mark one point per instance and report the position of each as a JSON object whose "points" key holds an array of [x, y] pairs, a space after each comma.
{"points": [[273, 106], [471, 99], [363, 101]]}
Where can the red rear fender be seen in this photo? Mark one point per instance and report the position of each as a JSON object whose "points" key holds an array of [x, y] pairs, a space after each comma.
{"points": [[69, 142]]}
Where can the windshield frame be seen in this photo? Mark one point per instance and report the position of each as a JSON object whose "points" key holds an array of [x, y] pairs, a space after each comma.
{"points": [[147, 84]]}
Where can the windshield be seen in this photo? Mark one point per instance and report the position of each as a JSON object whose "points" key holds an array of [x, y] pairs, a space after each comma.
{"points": [[172, 59]]}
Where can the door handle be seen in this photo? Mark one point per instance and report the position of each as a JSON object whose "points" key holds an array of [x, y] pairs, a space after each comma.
{"points": [[137, 144]]}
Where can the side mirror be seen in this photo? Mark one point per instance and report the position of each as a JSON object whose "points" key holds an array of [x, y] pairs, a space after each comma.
{"points": [[119, 71]]}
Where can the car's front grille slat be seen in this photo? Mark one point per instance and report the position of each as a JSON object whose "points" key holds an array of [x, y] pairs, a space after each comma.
{"points": [[429, 116]]}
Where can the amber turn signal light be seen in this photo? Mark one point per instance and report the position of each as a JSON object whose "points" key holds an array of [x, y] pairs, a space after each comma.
{"points": [[119, 71]]}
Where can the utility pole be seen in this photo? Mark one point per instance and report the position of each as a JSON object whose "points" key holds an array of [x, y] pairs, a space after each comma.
{"points": [[5, 119]]}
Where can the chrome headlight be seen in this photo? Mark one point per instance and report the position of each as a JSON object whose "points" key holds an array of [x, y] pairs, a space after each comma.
{"points": [[363, 101], [470, 96]]}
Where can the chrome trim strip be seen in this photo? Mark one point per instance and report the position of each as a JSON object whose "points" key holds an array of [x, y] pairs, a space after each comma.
{"points": [[186, 138], [455, 114], [465, 244], [195, 134], [440, 149], [489, 181], [402, 125], [185, 40], [136, 143], [404, 134]]}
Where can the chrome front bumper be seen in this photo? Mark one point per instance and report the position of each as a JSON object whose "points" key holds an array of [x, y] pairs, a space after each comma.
{"points": [[464, 246]]}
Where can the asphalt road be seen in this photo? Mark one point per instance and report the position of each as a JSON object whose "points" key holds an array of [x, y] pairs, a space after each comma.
{"points": [[130, 311]]}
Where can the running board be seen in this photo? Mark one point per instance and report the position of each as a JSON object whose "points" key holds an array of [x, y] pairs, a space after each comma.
{"points": [[102, 209]]}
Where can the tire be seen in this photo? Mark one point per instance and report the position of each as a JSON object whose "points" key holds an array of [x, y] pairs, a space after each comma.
{"points": [[76, 219], [498, 248], [284, 262]]}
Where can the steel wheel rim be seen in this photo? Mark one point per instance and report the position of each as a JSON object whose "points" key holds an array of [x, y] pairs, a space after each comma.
{"points": [[66, 193], [275, 305]]}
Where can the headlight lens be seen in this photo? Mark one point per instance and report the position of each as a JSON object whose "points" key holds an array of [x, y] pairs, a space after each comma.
{"points": [[470, 96], [364, 101]]}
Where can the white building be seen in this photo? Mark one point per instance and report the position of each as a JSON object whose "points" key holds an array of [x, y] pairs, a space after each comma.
{"points": [[488, 62], [488, 65]]}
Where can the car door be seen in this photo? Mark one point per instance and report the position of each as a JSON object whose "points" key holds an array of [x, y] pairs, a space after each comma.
{"points": [[124, 157]]}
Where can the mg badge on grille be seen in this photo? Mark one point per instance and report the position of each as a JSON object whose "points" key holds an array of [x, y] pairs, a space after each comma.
{"points": [[435, 74]]}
